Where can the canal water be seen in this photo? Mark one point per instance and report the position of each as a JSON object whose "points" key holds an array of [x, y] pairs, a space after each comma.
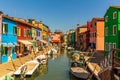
{"points": [[57, 68]]}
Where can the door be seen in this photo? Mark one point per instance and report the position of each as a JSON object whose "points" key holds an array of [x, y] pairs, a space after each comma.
{"points": [[9, 53]]}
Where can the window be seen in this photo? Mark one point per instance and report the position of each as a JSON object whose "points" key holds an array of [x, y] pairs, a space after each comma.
{"points": [[114, 15], [38, 33], [114, 30], [106, 46], [95, 23], [4, 28], [28, 33], [15, 30], [114, 45], [106, 19], [106, 31], [18, 31], [95, 34], [25, 32], [4, 50], [110, 46]]}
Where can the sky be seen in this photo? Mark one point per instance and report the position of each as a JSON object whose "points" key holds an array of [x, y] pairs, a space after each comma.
{"points": [[57, 14]]}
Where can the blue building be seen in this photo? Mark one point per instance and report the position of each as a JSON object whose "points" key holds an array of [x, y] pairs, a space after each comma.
{"points": [[8, 39]]}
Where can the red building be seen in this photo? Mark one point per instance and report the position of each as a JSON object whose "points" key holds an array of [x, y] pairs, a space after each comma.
{"points": [[88, 35], [24, 36]]}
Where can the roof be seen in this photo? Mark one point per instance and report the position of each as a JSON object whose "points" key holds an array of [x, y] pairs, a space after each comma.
{"points": [[115, 7], [17, 20], [83, 26], [98, 19]]}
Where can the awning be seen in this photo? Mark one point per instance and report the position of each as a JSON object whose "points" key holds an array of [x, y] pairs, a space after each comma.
{"points": [[8, 44], [44, 41], [4, 44], [16, 44], [26, 42]]}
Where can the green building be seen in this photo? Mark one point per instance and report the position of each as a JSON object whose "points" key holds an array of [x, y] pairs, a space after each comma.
{"points": [[112, 29], [71, 38]]}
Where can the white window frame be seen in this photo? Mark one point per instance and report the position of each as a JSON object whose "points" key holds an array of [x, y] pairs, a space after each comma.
{"points": [[114, 14], [19, 30], [113, 29], [3, 28], [106, 19], [110, 46], [25, 33], [114, 44], [106, 29]]}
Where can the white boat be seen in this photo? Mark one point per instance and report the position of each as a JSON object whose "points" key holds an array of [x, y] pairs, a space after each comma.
{"points": [[42, 59], [79, 72], [70, 48], [26, 69]]}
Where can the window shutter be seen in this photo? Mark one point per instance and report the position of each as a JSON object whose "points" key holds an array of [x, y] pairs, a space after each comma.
{"points": [[6, 28], [16, 30]]}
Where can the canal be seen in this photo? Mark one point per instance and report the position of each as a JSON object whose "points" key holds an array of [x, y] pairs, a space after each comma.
{"points": [[57, 68]]}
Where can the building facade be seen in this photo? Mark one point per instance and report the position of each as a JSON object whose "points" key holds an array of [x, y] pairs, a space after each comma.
{"points": [[112, 29], [8, 39], [97, 34]]}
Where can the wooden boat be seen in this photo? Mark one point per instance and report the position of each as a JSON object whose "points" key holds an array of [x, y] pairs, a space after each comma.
{"points": [[26, 69], [79, 72]]}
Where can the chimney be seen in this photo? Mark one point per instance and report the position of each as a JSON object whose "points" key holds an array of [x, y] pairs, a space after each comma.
{"points": [[32, 21], [40, 22]]}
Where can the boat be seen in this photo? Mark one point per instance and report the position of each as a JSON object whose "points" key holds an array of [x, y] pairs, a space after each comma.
{"points": [[42, 59], [79, 72], [27, 69], [70, 48], [50, 52]]}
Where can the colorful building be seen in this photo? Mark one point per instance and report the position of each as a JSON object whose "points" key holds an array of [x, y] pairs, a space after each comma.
{"points": [[71, 38], [79, 36], [34, 33], [97, 34], [24, 35], [44, 35], [112, 29], [55, 38], [8, 39]]}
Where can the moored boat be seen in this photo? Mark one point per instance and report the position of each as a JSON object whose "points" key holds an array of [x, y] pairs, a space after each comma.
{"points": [[79, 72], [26, 69]]}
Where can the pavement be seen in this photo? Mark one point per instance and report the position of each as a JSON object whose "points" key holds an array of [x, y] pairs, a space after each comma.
{"points": [[8, 67]]}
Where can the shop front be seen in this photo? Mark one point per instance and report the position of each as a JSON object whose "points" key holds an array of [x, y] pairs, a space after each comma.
{"points": [[25, 47]]}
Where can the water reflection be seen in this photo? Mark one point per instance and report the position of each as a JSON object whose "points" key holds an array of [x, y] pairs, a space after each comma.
{"points": [[43, 69]]}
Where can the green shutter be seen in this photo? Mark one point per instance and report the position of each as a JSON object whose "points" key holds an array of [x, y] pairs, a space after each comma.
{"points": [[118, 17], [119, 27], [2, 50], [6, 28]]}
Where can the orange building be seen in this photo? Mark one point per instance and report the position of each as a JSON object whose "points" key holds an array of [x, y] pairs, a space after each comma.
{"points": [[97, 34]]}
